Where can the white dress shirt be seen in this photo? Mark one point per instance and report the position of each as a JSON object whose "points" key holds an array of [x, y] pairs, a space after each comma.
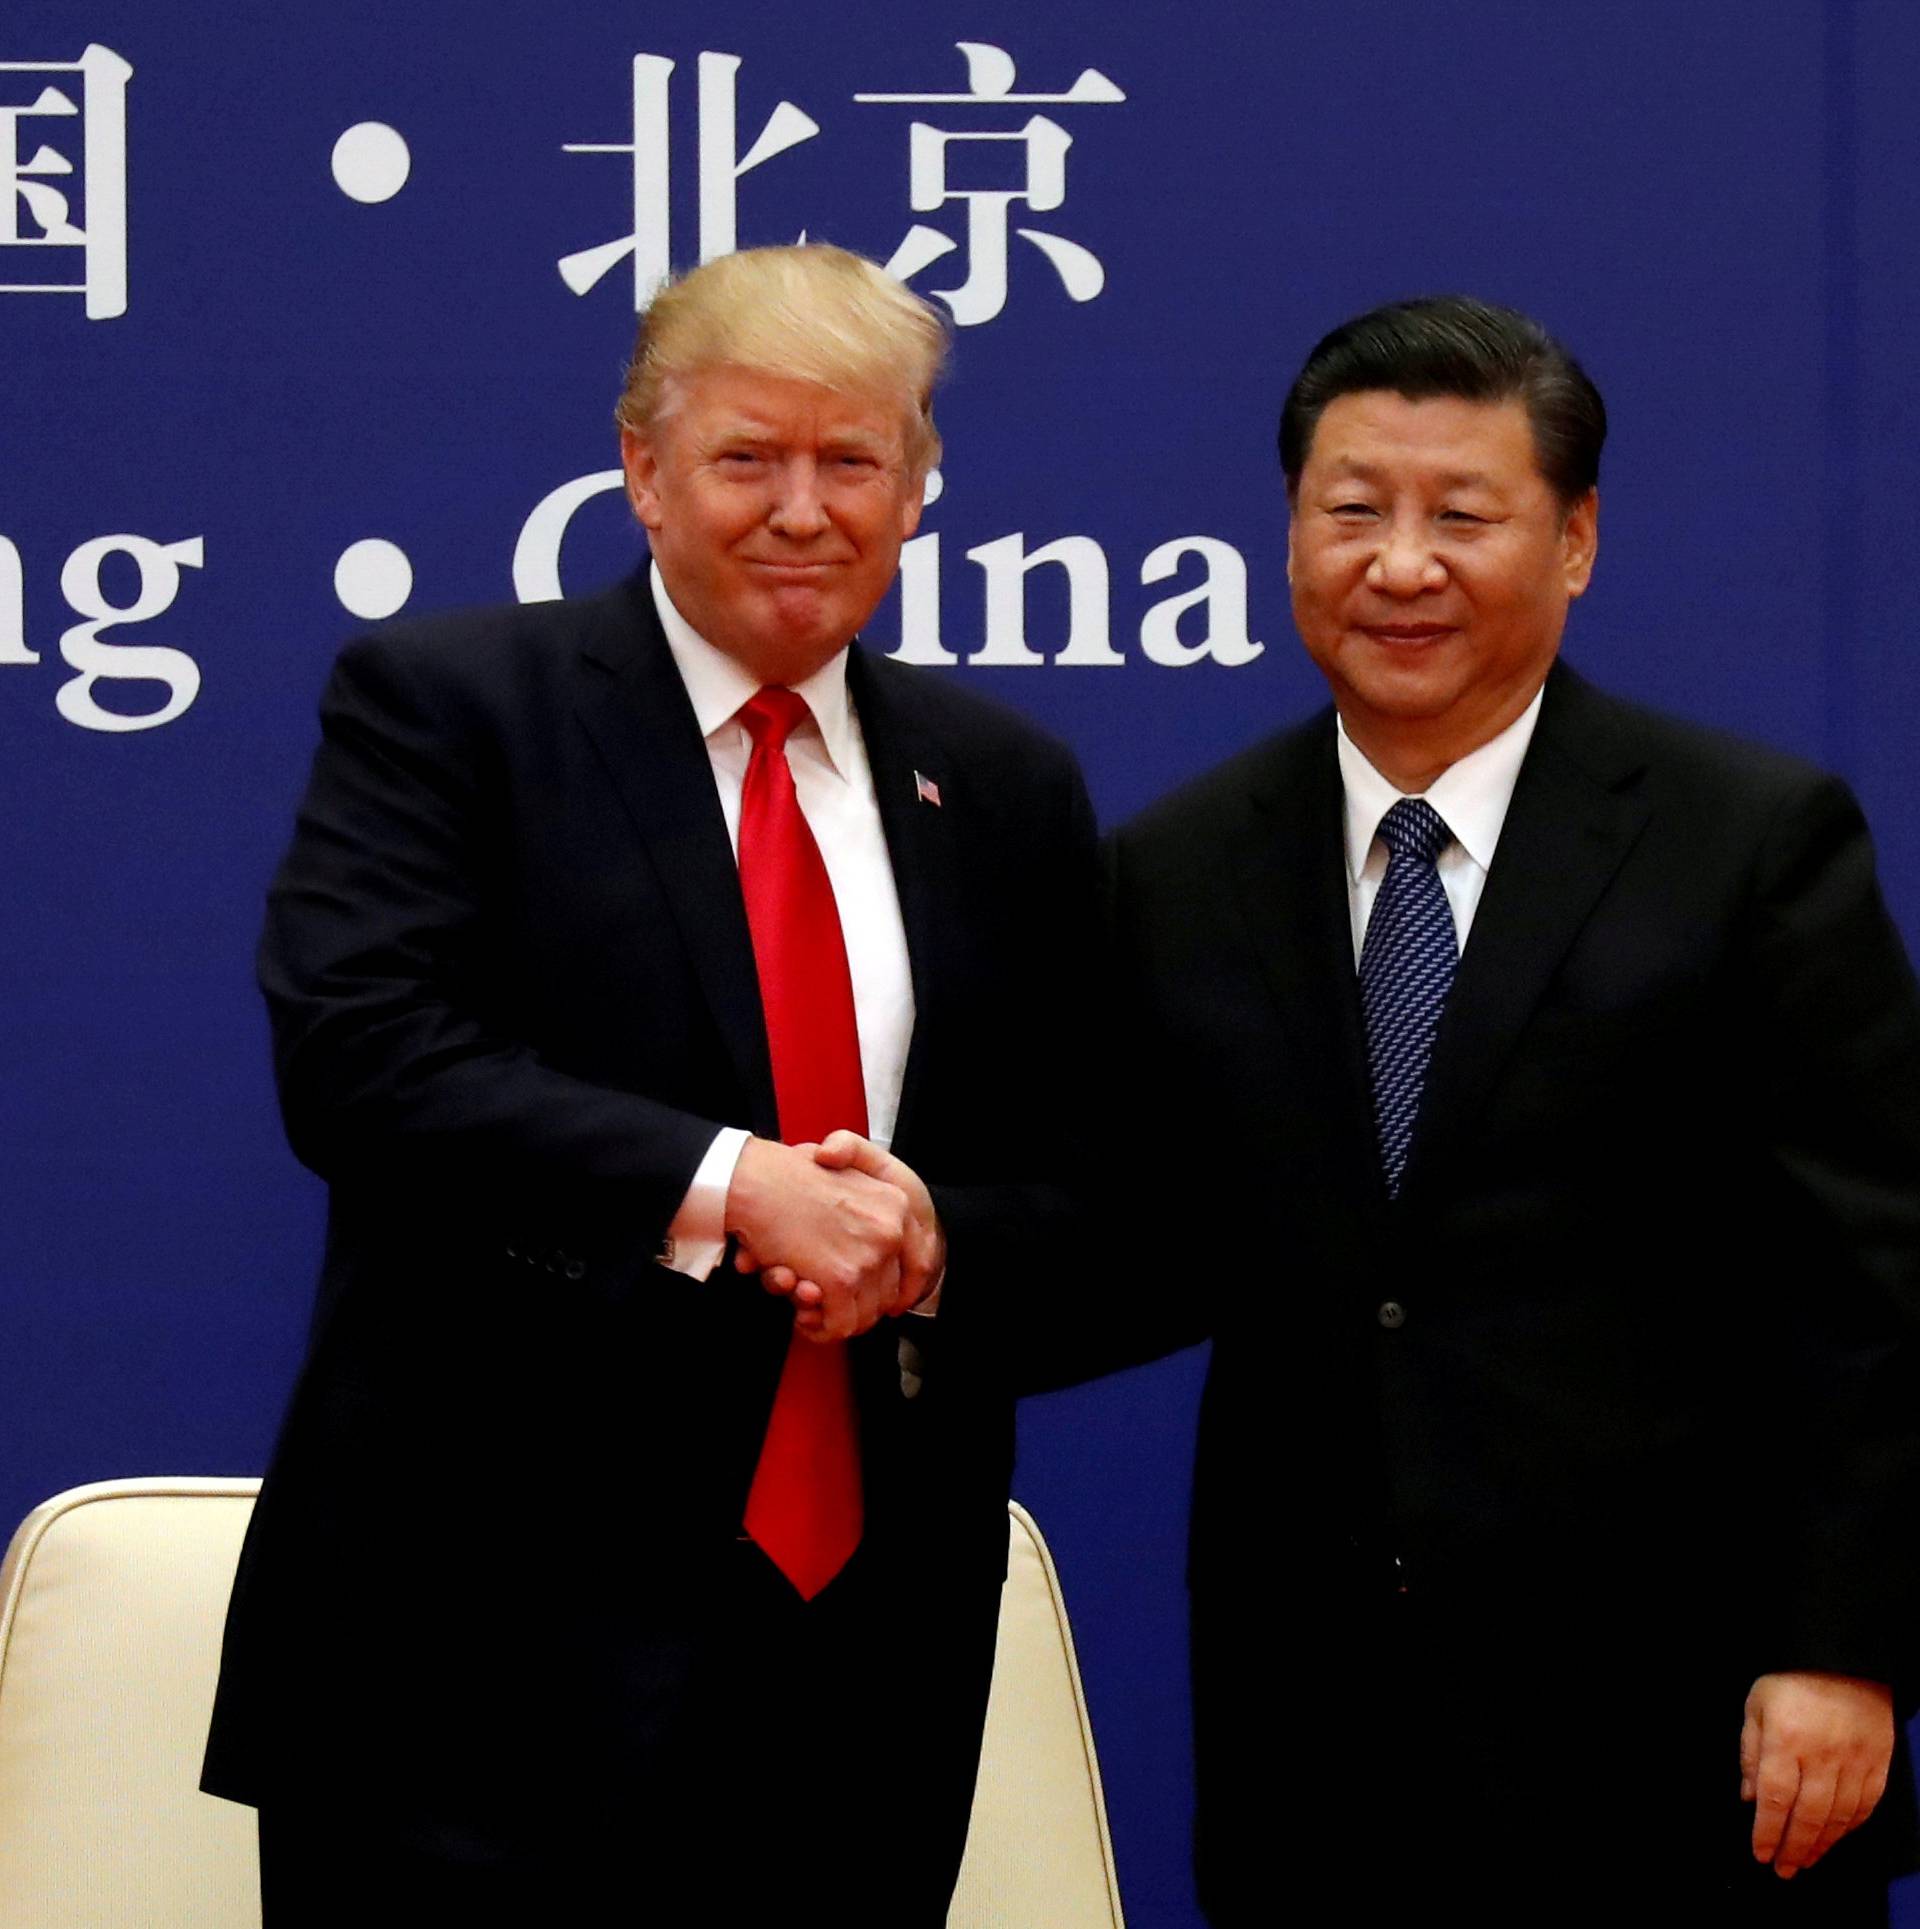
{"points": [[834, 783], [1472, 798]]}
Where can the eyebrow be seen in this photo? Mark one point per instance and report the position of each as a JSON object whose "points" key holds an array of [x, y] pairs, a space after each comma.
{"points": [[753, 429], [1450, 478], [738, 425]]}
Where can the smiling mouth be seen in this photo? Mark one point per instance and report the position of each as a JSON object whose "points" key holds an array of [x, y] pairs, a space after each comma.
{"points": [[1406, 633], [779, 567]]}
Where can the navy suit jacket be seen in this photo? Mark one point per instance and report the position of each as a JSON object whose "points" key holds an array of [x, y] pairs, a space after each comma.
{"points": [[513, 996], [1623, 1388]]}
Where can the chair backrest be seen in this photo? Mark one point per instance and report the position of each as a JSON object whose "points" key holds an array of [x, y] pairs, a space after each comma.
{"points": [[1038, 1854], [112, 1600]]}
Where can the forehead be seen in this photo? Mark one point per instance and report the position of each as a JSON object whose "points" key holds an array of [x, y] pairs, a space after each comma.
{"points": [[1378, 434], [727, 400]]}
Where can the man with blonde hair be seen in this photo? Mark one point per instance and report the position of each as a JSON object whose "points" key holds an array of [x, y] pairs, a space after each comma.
{"points": [[599, 1575]]}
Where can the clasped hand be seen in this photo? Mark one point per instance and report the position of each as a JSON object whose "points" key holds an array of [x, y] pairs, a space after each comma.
{"points": [[844, 1230]]}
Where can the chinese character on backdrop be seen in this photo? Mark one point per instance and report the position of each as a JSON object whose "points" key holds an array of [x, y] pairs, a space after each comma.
{"points": [[720, 164], [59, 154], [1038, 150]]}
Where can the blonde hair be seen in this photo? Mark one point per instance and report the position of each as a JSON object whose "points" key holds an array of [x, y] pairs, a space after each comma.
{"points": [[811, 312]]}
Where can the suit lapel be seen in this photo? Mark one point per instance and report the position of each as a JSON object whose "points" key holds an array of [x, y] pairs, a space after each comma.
{"points": [[1577, 808], [1290, 891], [636, 710], [903, 747]]}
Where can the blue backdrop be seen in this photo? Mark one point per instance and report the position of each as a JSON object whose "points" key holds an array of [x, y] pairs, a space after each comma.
{"points": [[307, 314]]}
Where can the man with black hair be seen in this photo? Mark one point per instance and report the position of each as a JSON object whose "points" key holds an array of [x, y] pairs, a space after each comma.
{"points": [[1567, 1065]]}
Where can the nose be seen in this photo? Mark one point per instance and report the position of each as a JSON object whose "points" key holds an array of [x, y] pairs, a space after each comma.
{"points": [[1406, 562], [798, 510]]}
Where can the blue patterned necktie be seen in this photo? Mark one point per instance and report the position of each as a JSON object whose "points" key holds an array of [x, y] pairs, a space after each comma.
{"points": [[1406, 971]]}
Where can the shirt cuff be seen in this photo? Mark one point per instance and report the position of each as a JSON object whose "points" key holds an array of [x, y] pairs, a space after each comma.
{"points": [[929, 1305], [697, 1238]]}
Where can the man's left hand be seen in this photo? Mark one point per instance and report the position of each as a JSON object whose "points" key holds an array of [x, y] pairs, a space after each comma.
{"points": [[1814, 1755]]}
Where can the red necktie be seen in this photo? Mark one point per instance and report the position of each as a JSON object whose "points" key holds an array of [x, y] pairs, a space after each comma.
{"points": [[804, 1508]]}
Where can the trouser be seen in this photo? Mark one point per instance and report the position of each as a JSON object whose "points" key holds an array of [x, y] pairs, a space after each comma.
{"points": [[1413, 1764], [826, 1777]]}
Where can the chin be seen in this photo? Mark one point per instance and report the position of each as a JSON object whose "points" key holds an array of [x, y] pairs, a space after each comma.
{"points": [[798, 609], [790, 651], [1407, 696]]}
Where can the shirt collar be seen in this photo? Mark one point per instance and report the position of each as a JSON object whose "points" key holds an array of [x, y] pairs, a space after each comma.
{"points": [[717, 686], [1471, 795]]}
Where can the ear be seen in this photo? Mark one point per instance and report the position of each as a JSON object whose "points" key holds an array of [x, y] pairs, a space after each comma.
{"points": [[912, 504], [1293, 523], [1580, 542], [638, 459]]}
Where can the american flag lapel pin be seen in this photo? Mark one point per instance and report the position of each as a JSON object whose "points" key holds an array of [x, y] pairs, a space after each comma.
{"points": [[926, 790]]}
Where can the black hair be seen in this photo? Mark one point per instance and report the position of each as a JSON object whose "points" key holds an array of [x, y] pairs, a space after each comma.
{"points": [[1454, 345]]}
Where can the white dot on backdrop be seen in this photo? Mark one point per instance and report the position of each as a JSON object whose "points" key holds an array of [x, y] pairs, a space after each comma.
{"points": [[371, 162], [373, 578]]}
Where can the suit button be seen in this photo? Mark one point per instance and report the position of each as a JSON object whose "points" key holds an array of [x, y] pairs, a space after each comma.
{"points": [[576, 1269], [1392, 1315]]}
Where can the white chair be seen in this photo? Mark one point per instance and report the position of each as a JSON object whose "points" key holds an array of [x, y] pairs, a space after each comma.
{"points": [[112, 1599], [1038, 1854]]}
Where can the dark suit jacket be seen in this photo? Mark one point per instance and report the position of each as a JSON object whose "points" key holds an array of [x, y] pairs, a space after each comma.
{"points": [[1621, 1390], [513, 997]]}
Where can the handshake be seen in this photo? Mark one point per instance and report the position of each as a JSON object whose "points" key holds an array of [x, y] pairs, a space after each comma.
{"points": [[843, 1229]]}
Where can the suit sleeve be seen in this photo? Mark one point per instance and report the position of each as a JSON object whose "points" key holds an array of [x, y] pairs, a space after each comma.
{"points": [[381, 965], [1019, 1277], [1831, 1011], [1100, 1292]]}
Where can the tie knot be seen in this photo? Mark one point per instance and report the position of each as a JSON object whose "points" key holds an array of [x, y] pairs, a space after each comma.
{"points": [[1413, 828], [771, 714]]}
